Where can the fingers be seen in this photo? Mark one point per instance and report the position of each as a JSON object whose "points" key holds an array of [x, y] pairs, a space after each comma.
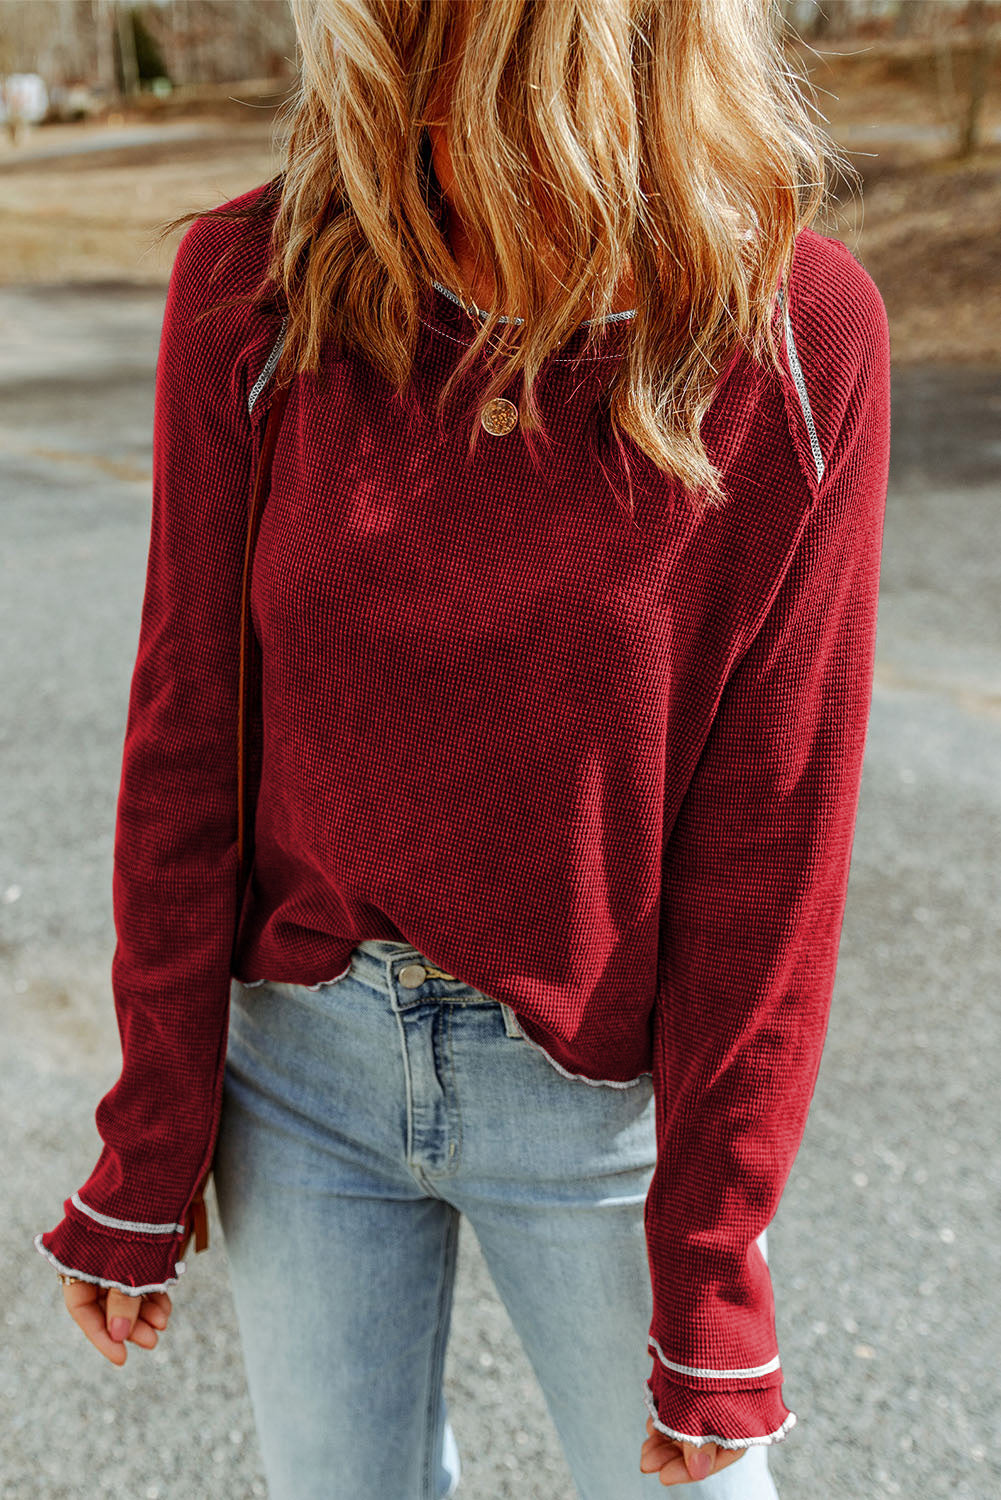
{"points": [[156, 1309], [120, 1314], [681, 1462], [109, 1317], [701, 1459], [85, 1305]]}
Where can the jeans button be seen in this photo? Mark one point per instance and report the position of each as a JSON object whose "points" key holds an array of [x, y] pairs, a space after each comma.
{"points": [[412, 976]]}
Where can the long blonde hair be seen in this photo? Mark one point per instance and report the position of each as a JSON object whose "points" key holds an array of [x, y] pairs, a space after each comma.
{"points": [[665, 139]]}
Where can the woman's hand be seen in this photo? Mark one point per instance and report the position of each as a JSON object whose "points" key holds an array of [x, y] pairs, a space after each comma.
{"points": [[108, 1317], [681, 1463]]}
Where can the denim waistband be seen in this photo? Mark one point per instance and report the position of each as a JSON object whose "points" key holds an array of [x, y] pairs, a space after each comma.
{"points": [[411, 977], [380, 962], [383, 965]]}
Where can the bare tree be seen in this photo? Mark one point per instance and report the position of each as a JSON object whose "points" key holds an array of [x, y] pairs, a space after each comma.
{"points": [[103, 16], [127, 49], [981, 55]]}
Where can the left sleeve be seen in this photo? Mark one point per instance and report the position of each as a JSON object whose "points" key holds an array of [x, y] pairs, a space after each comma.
{"points": [[174, 881], [754, 885]]}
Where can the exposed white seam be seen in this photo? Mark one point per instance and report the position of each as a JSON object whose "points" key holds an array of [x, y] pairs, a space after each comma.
{"points": [[119, 1286], [629, 312], [269, 367], [721, 1442], [608, 1083], [605, 1083], [252, 984], [130, 1224], [804, 399], [554, 358], [773, 1364], [514, 1029]]}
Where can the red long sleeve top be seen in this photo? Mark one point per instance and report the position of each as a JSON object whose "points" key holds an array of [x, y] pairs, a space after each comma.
{"points": [[604, 771]]}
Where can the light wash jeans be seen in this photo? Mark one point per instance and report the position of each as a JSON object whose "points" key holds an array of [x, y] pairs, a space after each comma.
{"points": [[360, 1118]]}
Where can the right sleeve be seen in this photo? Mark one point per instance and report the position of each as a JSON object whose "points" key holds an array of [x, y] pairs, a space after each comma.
{"points": [[175, 850], [755, 882]]}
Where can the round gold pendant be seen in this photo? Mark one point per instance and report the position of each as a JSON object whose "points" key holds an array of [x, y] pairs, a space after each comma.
{"points": [[499, 416]]}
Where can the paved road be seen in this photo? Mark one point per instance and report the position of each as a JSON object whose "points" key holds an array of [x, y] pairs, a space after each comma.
{"points": [[907, 133], [47, 142], [44, 143], [885, 1249]]}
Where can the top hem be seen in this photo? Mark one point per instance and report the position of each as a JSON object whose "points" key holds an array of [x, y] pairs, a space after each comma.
{"points": [[519, 1021]]}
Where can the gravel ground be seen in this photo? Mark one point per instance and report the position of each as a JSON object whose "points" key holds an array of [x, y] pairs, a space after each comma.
{"points": [[887, 1237]]}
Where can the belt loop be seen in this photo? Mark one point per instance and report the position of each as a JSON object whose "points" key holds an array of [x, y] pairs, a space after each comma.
{"points": [[510, 1020]]}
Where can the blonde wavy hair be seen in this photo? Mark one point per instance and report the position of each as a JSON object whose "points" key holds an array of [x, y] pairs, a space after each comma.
{"points": [[664, 140]]}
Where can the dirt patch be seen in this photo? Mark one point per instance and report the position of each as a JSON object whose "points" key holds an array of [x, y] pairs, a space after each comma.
{"points": [[929, 233], [926, 226], [95, 214]]}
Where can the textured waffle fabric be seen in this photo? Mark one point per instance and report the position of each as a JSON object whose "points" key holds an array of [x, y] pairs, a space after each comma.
{"points": [[604, 770]]}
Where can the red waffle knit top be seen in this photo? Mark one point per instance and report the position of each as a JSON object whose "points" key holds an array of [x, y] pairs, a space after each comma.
{"points": [[605, 770]]}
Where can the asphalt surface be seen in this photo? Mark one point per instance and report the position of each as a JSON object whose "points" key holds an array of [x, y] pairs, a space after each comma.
{"points": [[885, 1250], [54, 141]]}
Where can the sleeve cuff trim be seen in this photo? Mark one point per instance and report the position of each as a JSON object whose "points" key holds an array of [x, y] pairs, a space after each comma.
{"points": [[119, 1286], [130, 1224], [721, 1442], [746, 1374]]}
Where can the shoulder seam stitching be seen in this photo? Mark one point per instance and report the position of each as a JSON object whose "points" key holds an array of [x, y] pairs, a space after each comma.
{"points": [[800, 383], [269, 367]]}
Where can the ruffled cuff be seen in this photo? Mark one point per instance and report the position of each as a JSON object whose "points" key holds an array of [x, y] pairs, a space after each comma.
{"points": [[133, 1258], [730, 1418]]}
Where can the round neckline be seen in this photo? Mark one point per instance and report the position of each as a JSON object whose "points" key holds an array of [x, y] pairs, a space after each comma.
{"points": [[629, 312], [447, 316], [447, 311]]}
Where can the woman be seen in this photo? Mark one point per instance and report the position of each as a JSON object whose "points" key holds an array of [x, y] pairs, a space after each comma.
{"points": [[565, 597]]}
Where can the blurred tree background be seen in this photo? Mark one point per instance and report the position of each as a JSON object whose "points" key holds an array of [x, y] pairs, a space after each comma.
{"points": [[122, 48], [168, 105]]}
